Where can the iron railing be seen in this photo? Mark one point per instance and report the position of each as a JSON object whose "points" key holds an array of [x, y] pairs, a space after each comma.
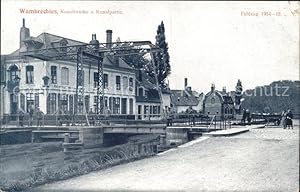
{"points": [[62, 120]]}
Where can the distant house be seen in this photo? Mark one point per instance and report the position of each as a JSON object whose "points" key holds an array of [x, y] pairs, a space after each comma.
{"points": [[182, 100], [218, 103]]}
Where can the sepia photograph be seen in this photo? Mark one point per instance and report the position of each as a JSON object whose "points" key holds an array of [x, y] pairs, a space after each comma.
{"points": [[158, 96]]}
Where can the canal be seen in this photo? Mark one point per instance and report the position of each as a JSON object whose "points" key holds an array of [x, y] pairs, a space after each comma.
{"points": [[259, 160]]}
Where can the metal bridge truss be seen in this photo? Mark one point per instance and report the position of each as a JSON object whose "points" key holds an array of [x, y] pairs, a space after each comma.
{"points": [[89, 53]]}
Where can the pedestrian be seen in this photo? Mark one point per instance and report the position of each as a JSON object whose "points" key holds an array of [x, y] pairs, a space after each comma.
{"points": [[283, 119], [91, 117], [169, 118], [39, 117], [21, 118], [31, 111], [289, 119], [244, 116]]}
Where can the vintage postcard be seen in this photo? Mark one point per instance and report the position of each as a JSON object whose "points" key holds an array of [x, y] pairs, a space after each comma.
{"points": [[149, 96]]}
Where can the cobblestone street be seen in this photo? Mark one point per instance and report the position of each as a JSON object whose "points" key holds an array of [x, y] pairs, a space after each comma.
{"points": [[259, 160]]}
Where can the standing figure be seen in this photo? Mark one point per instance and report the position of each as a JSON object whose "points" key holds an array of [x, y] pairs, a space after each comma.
{"points": [[289, 119], [39, 117], [91, 117], [244, 116], [248, 116], [31, 111], [169, 118], [283, 119], [21, 118]]}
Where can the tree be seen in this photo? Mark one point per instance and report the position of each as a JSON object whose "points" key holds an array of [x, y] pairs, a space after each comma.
{"points": [[238, 96], [162, 58], [238, 92]]}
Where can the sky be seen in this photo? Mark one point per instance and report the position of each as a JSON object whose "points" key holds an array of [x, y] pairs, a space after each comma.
{"points": [[209, 42]]}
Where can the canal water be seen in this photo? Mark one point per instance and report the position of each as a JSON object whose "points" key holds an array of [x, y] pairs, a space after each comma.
{"points": [[259, 160]]}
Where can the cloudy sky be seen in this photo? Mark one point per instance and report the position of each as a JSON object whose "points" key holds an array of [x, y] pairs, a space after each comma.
{"points": [[209, 42]]}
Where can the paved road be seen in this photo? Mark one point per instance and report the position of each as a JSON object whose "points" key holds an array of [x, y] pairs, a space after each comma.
{"points": [[259, 160]]}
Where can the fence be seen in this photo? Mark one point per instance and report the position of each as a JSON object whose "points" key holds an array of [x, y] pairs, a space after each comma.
{"points": [[25, 120]]}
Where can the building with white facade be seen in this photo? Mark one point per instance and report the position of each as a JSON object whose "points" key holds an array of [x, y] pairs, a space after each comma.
{"points": [[51, 85]]}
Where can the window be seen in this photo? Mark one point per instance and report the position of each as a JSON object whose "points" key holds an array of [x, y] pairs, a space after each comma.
{"points": [[105, 102], [80, 104], [22, 101], [141, 91], [13, 73], [29, 74], [130, 106], [130, 84], [105, 81], [110, 101], [62, 45], [125, 82], [87, 103], [146, 93], [151, 111], [29, 101], [118, 82], [53, 74], [71, 104], [123, 105], [51, 103], [146, 110], [65, 76], [96, 78], [117, 105], [213, 100], [37, 101], [64, 103], [154, 109]]}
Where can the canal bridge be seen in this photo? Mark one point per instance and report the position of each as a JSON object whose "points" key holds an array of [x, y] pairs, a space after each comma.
{"points": [[112, 132]]}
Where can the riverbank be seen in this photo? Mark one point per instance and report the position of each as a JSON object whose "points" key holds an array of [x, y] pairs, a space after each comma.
{"points": [[28, 165]]}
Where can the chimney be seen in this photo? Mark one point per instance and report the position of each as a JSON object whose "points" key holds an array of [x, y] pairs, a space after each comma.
{"points": [[94, 41], [189, 88], [185, 82], [108, 38], [212, 87], [24, 33], [224, 90]]}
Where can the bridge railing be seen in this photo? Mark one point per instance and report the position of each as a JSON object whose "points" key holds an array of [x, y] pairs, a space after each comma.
{"points": [[25, 120]]}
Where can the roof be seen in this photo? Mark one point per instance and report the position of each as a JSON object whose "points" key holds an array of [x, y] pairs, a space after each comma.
{"points": [[47, 40], [144, 80], [183, 98], [225, 97]]}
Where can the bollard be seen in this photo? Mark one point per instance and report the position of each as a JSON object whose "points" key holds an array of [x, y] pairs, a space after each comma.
{"points": [[67, 138]]}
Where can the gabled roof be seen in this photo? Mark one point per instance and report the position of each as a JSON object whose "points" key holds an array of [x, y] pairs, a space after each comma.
{"points": [[47, 40], [183, 98], [225, 97]]}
